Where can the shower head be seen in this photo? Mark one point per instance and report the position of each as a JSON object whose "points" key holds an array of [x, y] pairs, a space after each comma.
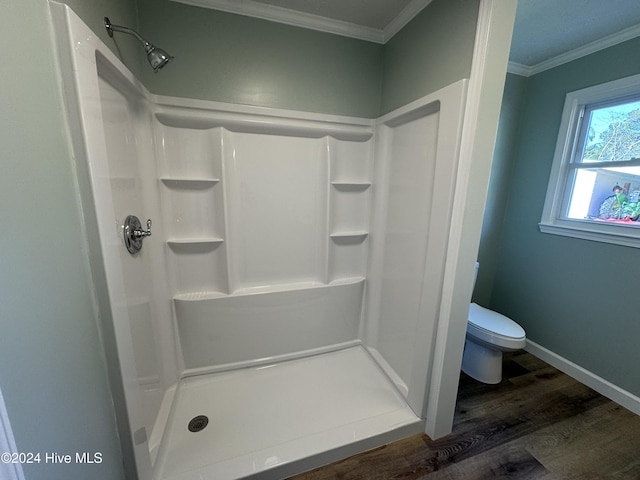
{"points": [[157, 57]]}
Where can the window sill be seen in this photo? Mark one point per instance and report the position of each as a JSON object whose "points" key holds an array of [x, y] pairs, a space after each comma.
{"points": [[628, 236]]}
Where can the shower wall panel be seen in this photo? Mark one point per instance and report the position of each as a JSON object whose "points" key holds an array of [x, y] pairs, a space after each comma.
{"points": [[277, 209], [416, 168], [130, 171], [410, 200], [267, 223], [219, 331]]}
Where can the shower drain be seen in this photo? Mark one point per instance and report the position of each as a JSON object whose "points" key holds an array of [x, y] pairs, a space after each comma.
{"points": [[198, 423]]}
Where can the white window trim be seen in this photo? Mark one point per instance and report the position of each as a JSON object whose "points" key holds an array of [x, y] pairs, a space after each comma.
{"points": [[552, 221]]}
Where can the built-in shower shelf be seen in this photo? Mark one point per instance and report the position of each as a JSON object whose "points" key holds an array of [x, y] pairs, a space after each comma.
{"points": [[174, 182], [276, 288], [347, 280], [196, 296], [351, 186], [282, 287], [351, 237], [185, 242]]}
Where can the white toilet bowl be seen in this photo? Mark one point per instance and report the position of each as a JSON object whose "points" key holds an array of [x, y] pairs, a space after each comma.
{"points": [[488, 335]]}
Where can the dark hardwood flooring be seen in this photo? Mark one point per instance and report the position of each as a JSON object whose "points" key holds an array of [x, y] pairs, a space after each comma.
{"points": [[538, 423]]}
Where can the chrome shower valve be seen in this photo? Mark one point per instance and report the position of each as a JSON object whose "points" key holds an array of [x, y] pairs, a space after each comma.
{"points": [[134, 234]]}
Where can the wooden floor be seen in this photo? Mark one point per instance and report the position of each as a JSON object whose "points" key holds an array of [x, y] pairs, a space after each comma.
{"points": [[537, 424]]}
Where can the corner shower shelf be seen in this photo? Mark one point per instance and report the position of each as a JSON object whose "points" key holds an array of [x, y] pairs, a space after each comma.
{"points": [[351, 186], [173, 182]]}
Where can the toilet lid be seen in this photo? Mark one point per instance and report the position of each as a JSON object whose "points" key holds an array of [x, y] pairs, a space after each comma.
{"points": [[494, 322]]}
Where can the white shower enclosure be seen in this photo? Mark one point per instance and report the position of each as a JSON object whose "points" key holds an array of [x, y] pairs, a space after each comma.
{"points": [[291, 289]]}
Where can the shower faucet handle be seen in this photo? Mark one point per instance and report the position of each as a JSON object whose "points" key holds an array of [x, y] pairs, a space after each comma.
{"points": [[139, 233], [134, 234]]}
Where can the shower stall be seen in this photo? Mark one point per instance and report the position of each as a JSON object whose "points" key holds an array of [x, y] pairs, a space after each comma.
{"points": [[291, 301]]}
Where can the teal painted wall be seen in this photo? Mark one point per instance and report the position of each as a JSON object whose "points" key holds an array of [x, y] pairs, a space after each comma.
{"points": [[432, 51], [52, 369], [237, 59], [574, 297]]}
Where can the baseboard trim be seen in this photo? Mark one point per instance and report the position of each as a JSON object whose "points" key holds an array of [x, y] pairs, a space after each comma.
{"points": [[590, 379]]}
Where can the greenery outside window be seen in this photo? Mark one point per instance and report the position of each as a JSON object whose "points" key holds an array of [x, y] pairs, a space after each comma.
{"points": [[594, 187]]}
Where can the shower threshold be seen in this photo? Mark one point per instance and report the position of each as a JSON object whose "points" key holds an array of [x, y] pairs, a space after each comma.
{"points": [[273, 421]]}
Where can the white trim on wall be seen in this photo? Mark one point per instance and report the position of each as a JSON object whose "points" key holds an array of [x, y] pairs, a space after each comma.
{"points": [[627, 399], [484, 97]]}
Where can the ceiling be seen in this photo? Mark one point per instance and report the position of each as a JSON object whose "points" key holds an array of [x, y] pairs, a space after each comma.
{"points": [[547, 32]]}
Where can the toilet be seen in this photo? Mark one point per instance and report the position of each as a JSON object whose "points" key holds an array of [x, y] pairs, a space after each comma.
{"points": [[488, 335]]}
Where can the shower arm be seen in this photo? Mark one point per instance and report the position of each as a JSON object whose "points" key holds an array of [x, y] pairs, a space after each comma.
{"points": [[117, 28], [156, 56]]}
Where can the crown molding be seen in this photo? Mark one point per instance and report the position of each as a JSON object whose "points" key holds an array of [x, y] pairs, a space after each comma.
{"points": [[346, 29], [405, 16], [313, 22], [588, 49], [273, 13], [519, 69]]}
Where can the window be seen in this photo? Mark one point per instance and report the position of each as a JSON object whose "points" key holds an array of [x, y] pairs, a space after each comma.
{"points": [[594, 188]]}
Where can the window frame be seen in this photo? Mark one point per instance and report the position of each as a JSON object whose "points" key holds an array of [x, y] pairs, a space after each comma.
{"points": [[567, 145]]}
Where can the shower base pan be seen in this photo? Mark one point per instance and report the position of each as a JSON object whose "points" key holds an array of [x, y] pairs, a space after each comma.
{"points": [[277, 420]]}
